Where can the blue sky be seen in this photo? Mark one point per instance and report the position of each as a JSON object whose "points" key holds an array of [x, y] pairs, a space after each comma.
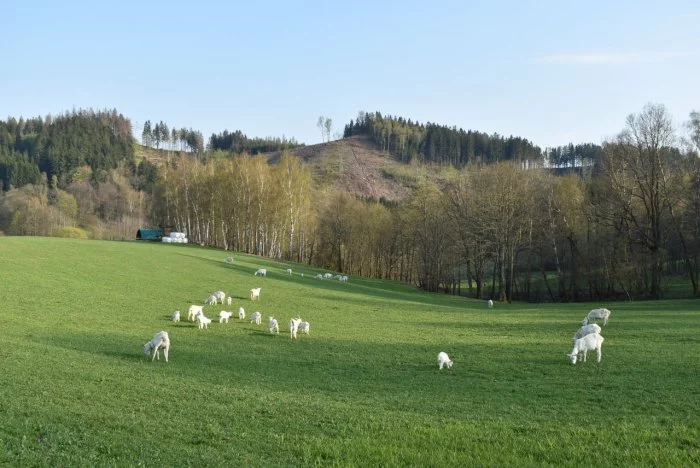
{"points": [[550, 71]]}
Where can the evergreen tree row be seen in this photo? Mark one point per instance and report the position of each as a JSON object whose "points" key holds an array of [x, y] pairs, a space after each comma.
{"points": [[183, 139], [237, 142], [438, 143]]}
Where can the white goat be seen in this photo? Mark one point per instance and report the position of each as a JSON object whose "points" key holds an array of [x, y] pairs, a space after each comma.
{"points": [[255, 293], [229, 300], [594, 314], [261, 272], [224, 316], [304, 327], [289, 271], [256, 318], [211, 300], [161, 340], [490, 304], [585, 344], [586, 330], [273, 325], [294, 326], [343, 279], [328, 276], [203, 322], [241, 313], [228, 259], [444, 359], [194, 311], [319, 276], [220, 296], [176, 316]]}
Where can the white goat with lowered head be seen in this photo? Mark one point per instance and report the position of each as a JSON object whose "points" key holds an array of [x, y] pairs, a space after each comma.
{"points": [[591, 342], [176, 316], [261, 272], [161, 340], [586, 330], [289, 271], [241, 313], [602, 314], [194, 311], [211, 300], [256, 318], [304, 327], [294, 326], [220, 296], [229, 299], [224, 316], [203, 322], [490, 303], [255, 293], [273, 325], [444, 360]]}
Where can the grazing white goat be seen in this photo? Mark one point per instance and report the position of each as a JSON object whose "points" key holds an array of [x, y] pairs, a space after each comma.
{"points": [[202, 321], [194, 311], [261, 272], [338, 277], [241, 313], [220, 296], [328, 276], [229, 300], [444, 359], [161, 340], [176, 316], [255, 293], [224, 316], [228, 259], [586, 330], [319, 276], [273, 325], [211, 300], [343, 279], [490, 304], [294, 326], [289, 271], [585, 344], [304, 327], [256, 318], [594, 314]]}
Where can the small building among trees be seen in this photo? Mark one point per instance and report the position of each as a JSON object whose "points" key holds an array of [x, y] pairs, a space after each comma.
{"points": [[153, 234]]}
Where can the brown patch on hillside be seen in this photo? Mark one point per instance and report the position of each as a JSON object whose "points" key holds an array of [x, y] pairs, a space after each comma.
{"points": [[354, 165]]}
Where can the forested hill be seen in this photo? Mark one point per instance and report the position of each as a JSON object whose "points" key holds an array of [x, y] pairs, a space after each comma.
{"points": [[57, 146]]}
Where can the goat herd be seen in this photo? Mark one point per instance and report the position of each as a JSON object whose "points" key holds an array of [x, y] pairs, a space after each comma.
{"points": [[587, 338], [161, 340]]}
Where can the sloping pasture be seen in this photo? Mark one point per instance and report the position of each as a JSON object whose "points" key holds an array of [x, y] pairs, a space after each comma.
{"points": [[363, 389]]}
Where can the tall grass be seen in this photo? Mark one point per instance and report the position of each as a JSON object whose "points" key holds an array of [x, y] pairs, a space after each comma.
{"points": [[363, 389]]}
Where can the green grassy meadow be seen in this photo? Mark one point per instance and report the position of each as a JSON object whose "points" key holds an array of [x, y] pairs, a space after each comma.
{"points": [[363, 389]]}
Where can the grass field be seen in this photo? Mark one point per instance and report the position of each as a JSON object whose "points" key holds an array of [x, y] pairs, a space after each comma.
{"points": [[363, 389]]}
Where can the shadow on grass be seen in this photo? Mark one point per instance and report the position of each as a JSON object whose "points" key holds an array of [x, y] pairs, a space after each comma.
{"points": [[390, 376]]}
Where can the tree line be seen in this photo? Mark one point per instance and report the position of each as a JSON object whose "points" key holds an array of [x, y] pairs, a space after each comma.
{"points": [[237, 142], [183, 139], [432, 143]]}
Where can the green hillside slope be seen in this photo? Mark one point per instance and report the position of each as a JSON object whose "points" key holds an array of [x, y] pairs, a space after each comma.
{"points": [[362, 389]]}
